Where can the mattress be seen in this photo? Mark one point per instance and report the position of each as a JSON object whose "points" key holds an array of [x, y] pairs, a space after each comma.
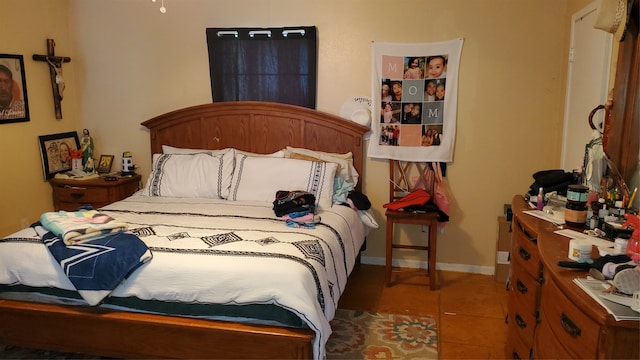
{"points": [[208, 251]]}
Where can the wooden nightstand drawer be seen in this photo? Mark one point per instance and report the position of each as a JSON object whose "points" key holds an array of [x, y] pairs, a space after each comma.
{"points": [[82, 194], [69, 195]]}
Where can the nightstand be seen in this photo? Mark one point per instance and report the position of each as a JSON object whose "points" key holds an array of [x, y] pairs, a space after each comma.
{"points": [[69, 194]]}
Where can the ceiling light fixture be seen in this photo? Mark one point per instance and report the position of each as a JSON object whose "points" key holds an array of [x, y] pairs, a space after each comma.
{"points": [[162, 8]]}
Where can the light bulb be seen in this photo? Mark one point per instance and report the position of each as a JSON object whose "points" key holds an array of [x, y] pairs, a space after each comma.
{"points": [[163, 9]]}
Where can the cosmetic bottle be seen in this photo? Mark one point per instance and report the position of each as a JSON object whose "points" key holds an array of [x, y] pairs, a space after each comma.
{"points": [[603, 212], [540, 199]]}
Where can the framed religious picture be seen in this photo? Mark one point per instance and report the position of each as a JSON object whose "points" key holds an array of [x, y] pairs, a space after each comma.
{"points": [[104, 165], [55, 150], [14, 106]]}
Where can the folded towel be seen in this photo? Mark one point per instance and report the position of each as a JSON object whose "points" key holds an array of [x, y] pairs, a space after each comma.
{"points": [[307, 218], [80, 226]]}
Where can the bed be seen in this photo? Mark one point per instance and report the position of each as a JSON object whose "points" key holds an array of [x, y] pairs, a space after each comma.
{"points": [[250, 129]]}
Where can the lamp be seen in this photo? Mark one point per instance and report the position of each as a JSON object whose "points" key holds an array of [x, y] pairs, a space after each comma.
{"points": [[162, 8]]}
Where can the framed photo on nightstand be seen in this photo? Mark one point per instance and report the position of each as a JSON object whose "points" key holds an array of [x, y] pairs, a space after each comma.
{"points": [[104, 165], [54, 151]]}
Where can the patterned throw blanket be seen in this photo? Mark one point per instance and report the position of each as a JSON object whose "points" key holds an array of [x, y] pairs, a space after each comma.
{"points": [[80, 226], [98, 266]]}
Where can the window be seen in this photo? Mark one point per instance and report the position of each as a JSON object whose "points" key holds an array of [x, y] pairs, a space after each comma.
{"points": [[264, 64]]}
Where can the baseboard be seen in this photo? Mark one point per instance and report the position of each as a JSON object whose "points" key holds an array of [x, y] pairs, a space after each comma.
{"points": [[466, 268]]}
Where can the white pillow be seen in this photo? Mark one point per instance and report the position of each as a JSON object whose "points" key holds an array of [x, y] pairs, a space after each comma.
{"points": [[346, 170], [259, 178], [277, 154], [190, 175], [166, 149]]}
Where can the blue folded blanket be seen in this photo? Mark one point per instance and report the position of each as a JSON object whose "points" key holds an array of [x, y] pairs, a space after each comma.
{"points": [[98, 266]]}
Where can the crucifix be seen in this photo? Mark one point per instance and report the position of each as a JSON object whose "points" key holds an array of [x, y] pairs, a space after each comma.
{"points": [[55, 70]]}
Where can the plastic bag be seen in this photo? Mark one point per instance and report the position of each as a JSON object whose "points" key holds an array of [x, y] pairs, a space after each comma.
{"points": [[440, 194]]}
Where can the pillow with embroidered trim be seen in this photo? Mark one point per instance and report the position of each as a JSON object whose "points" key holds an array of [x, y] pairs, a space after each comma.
{"points": [[346, 174], [167, 149], [259, 178], [190, 175], [346, 170], [277, 154]]}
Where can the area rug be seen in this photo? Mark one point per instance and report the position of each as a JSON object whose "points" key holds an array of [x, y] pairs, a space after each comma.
{"points": [[365, 335], [356, 335]]}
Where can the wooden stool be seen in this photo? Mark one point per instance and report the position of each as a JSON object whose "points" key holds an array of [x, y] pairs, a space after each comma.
{"points": [[399, 185]]}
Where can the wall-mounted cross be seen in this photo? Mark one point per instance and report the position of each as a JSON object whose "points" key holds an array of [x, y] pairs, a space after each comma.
{"points": [[55, 69]]}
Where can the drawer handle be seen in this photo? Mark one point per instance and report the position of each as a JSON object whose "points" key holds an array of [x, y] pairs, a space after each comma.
{"points": [[524, 254], [77, 195], [526, 233], [569, 326], [515, 355], [520, 321], [521, 287]]}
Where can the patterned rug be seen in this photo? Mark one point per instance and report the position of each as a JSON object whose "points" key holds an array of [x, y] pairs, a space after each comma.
{"points": [[356, 335], [364, 335]]}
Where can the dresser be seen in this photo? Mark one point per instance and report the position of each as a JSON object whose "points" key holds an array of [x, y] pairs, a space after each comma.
{"points": [[549, 316], [68, 194]]}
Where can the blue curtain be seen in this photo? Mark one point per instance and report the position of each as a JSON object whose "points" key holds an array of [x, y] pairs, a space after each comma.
{"points": [[264, 64]]}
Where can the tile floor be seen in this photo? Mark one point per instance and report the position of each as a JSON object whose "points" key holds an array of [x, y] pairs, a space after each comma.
{"points": [[469, 309]]}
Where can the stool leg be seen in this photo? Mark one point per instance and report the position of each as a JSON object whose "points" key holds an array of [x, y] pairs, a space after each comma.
{"points": [[389, 252], [433, 237]]}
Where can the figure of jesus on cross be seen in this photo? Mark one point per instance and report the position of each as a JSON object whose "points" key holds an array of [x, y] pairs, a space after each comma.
{"points": [[57, 67], [55, 70]]}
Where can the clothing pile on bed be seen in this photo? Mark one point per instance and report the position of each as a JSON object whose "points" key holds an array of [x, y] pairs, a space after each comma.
{"points": [[297, 208]]}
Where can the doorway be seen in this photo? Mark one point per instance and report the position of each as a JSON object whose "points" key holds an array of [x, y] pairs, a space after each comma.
{"points": [[587, 83]]}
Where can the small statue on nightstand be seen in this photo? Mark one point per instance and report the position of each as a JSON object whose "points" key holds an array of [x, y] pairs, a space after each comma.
{"points": [[87, 151]]}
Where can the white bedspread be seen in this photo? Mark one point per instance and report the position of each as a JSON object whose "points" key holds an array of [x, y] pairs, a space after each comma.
{"points": [[217, 251]]}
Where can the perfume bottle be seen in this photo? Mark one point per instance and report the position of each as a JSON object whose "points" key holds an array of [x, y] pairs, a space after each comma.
{"points": [[540, 199]]}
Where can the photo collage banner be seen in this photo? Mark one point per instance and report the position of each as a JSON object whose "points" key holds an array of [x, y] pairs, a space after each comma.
{"points": [[415, 91]]}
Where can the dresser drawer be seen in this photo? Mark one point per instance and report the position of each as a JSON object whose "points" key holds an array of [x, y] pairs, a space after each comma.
{"points": [[525, 291], [573, 329], [521, 320], [517, 347], [524, 250], [546, 345], [82, 195]]}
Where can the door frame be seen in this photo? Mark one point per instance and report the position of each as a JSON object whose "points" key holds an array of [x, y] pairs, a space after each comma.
{"points": [[599, 118]]}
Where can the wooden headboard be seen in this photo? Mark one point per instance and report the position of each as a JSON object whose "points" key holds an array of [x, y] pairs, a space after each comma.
{"points": [[260, 127]]}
